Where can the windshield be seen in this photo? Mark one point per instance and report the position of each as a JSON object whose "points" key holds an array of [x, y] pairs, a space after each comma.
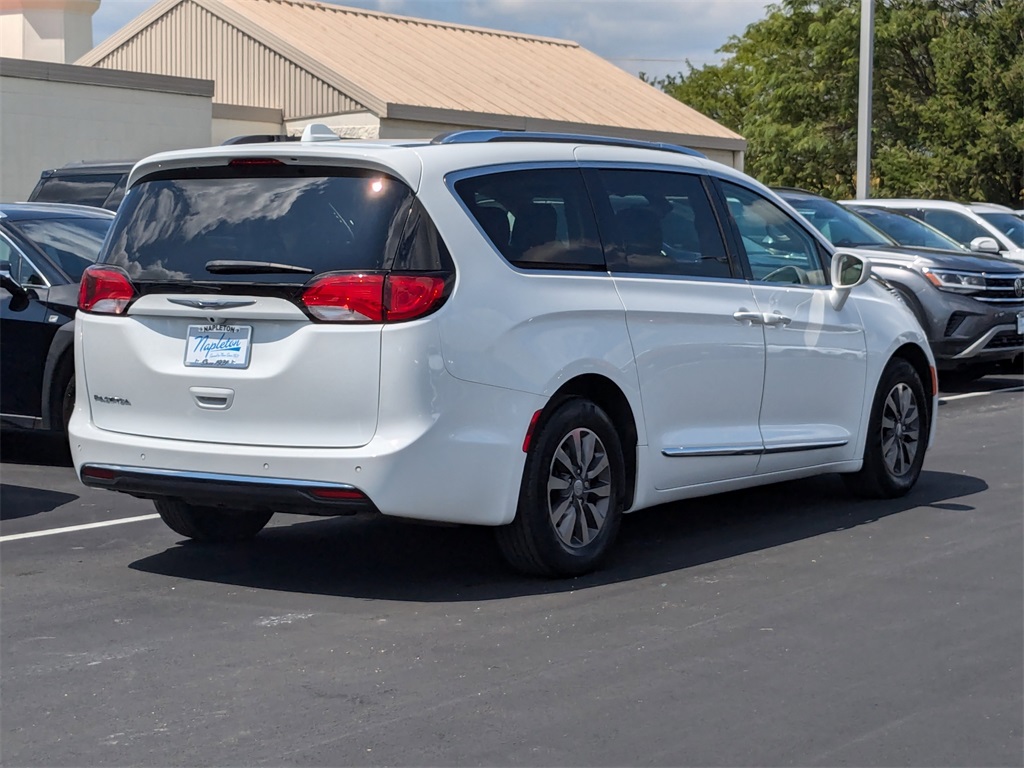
{"points": [[312, 219], [1009, 224], [909, 231], [71, 244], [81, 189], [843, 228]]}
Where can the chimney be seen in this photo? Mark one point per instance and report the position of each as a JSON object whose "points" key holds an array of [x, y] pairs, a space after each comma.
{"points": [[46, 30]]}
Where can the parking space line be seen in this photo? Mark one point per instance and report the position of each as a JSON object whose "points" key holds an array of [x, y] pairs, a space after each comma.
{"points": [[70, 528], [966, 395]]}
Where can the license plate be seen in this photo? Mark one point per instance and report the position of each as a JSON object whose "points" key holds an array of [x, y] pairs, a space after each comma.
{"points": [[1020, 322], [218, 346]]}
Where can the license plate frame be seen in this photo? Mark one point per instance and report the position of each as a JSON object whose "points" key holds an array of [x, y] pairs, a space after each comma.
{"points": [[218, 345], [1020, 323]]}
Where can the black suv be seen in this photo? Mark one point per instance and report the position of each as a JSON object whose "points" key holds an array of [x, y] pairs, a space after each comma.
{"points": [[971, 306], [97, 183]]}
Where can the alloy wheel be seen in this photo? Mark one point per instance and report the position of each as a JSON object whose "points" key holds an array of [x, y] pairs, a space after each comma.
{"points": [[579, 488], [901, 429]]}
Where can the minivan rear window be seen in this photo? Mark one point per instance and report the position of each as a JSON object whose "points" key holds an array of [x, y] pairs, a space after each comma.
{"points": [[171, 225]]}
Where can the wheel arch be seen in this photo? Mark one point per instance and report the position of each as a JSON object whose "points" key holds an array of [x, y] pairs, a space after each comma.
{"points": [[59, 357], [610, 398], [916, 356]]}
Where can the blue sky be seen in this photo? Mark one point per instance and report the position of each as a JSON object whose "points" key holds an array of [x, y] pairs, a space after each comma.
{"points": [[652, 36]]}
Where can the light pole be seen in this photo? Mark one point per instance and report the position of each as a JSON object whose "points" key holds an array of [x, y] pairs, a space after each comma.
{"points": [[867, 53]]}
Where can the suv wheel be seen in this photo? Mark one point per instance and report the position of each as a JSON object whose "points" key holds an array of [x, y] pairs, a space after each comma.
{"points": [[570, 503], [210, 524], [897, 435]]}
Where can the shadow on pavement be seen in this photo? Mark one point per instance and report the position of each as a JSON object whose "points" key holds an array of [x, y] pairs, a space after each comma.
{"points": [[48, 449], [387, 559], [18, 501], [950, 384]]}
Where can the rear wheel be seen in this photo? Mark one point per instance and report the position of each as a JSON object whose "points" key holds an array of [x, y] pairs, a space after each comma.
{"points": [[570, 502], [211, 524], [62, 395], [897, 435]]}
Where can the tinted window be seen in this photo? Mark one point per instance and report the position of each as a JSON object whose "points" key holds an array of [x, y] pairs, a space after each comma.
{"points": [[778, 249], [85, 189], [1009, 224], [168, 229], [539, 218], [657, 222], [961, 228], [906, 230], [71, 244], [840, 226]]}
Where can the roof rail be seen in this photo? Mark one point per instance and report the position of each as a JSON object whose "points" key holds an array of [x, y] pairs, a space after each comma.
{"points": [[484, 136]]}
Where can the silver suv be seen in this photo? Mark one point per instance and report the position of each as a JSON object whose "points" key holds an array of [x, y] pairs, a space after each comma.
{"points": [[970, 305]]}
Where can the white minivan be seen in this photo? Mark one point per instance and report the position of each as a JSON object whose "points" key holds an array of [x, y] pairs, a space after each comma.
{"points": [[533, 332]]}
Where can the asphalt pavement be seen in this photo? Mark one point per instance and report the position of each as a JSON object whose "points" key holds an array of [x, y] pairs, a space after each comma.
{"points": [[788, 625]]}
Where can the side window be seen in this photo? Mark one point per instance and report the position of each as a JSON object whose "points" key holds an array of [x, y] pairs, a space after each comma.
{"points": [[538, 219], [778, 249], [961, 228], [659, 222], [20, 270]]}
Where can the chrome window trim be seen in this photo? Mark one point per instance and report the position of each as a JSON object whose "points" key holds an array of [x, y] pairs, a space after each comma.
{"points": [[27, 260]]}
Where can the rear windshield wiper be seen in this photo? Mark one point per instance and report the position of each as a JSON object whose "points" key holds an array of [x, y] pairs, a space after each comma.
{"points": [[241, 267]]}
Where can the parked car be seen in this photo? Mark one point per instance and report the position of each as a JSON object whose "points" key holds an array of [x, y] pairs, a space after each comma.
{"points": [[535, 332], [906, 230], [971, 306], [970, 224], [99, 183], [44, 248]]}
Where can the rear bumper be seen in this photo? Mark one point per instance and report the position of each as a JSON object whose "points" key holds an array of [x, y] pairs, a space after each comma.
{"points": [[235, 491], [463, 465]]}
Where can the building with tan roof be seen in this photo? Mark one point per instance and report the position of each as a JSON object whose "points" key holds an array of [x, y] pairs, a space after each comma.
{"points": [[278, 65]]}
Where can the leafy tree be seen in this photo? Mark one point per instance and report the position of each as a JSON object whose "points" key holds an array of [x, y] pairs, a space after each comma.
{"points": [[948, 103]]}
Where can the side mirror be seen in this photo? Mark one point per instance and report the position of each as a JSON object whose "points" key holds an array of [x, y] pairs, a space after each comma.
{"points": [[848, 271], [985, 245], [19, 296]]}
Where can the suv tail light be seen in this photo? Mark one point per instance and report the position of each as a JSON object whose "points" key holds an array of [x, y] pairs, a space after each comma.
{"points": [[373, 298], [105, 290]]}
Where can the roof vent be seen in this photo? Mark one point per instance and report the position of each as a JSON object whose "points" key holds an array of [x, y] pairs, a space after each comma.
{"points": [[319, 132]]}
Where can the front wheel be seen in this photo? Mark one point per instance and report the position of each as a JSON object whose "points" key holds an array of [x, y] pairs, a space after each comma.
{"points": [[210, 524], [897, 435], [570, 502]]}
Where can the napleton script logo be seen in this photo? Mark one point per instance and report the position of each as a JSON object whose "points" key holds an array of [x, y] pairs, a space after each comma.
{"points": [[111, 400]]}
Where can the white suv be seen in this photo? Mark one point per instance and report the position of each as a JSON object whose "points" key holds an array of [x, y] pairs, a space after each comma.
{"points": [[533, 332]]}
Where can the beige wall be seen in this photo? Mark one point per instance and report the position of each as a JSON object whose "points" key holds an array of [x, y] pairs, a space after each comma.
{"points": [[350, 125], [231, 121], [45, 122], [54, 30]]}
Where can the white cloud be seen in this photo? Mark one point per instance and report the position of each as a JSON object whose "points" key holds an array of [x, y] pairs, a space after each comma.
{"points": [[653, 36]]}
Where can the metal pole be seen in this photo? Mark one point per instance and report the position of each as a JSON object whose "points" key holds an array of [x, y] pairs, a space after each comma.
{"points": [[867, 53]]}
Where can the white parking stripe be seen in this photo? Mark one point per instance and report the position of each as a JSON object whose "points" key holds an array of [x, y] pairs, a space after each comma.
{"points": [[70, 528], [979, 394]]}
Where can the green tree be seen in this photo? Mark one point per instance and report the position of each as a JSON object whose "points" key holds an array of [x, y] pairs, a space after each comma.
{"points": [[948, 100]]}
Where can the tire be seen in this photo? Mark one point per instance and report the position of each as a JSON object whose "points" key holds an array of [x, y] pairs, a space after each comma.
{"points": [[570, 501], [210, 524], [62, 395], [897, 437]]}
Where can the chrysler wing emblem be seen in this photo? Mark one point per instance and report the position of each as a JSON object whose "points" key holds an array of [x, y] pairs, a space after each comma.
{"points": [[211, 303]]}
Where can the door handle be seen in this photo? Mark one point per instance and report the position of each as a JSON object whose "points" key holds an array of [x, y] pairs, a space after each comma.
{"points": [[742, 315], [776, 318]]}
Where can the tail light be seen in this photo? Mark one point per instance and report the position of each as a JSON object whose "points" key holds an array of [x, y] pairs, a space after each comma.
{"points": [[105, 290], [373, 298]]}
